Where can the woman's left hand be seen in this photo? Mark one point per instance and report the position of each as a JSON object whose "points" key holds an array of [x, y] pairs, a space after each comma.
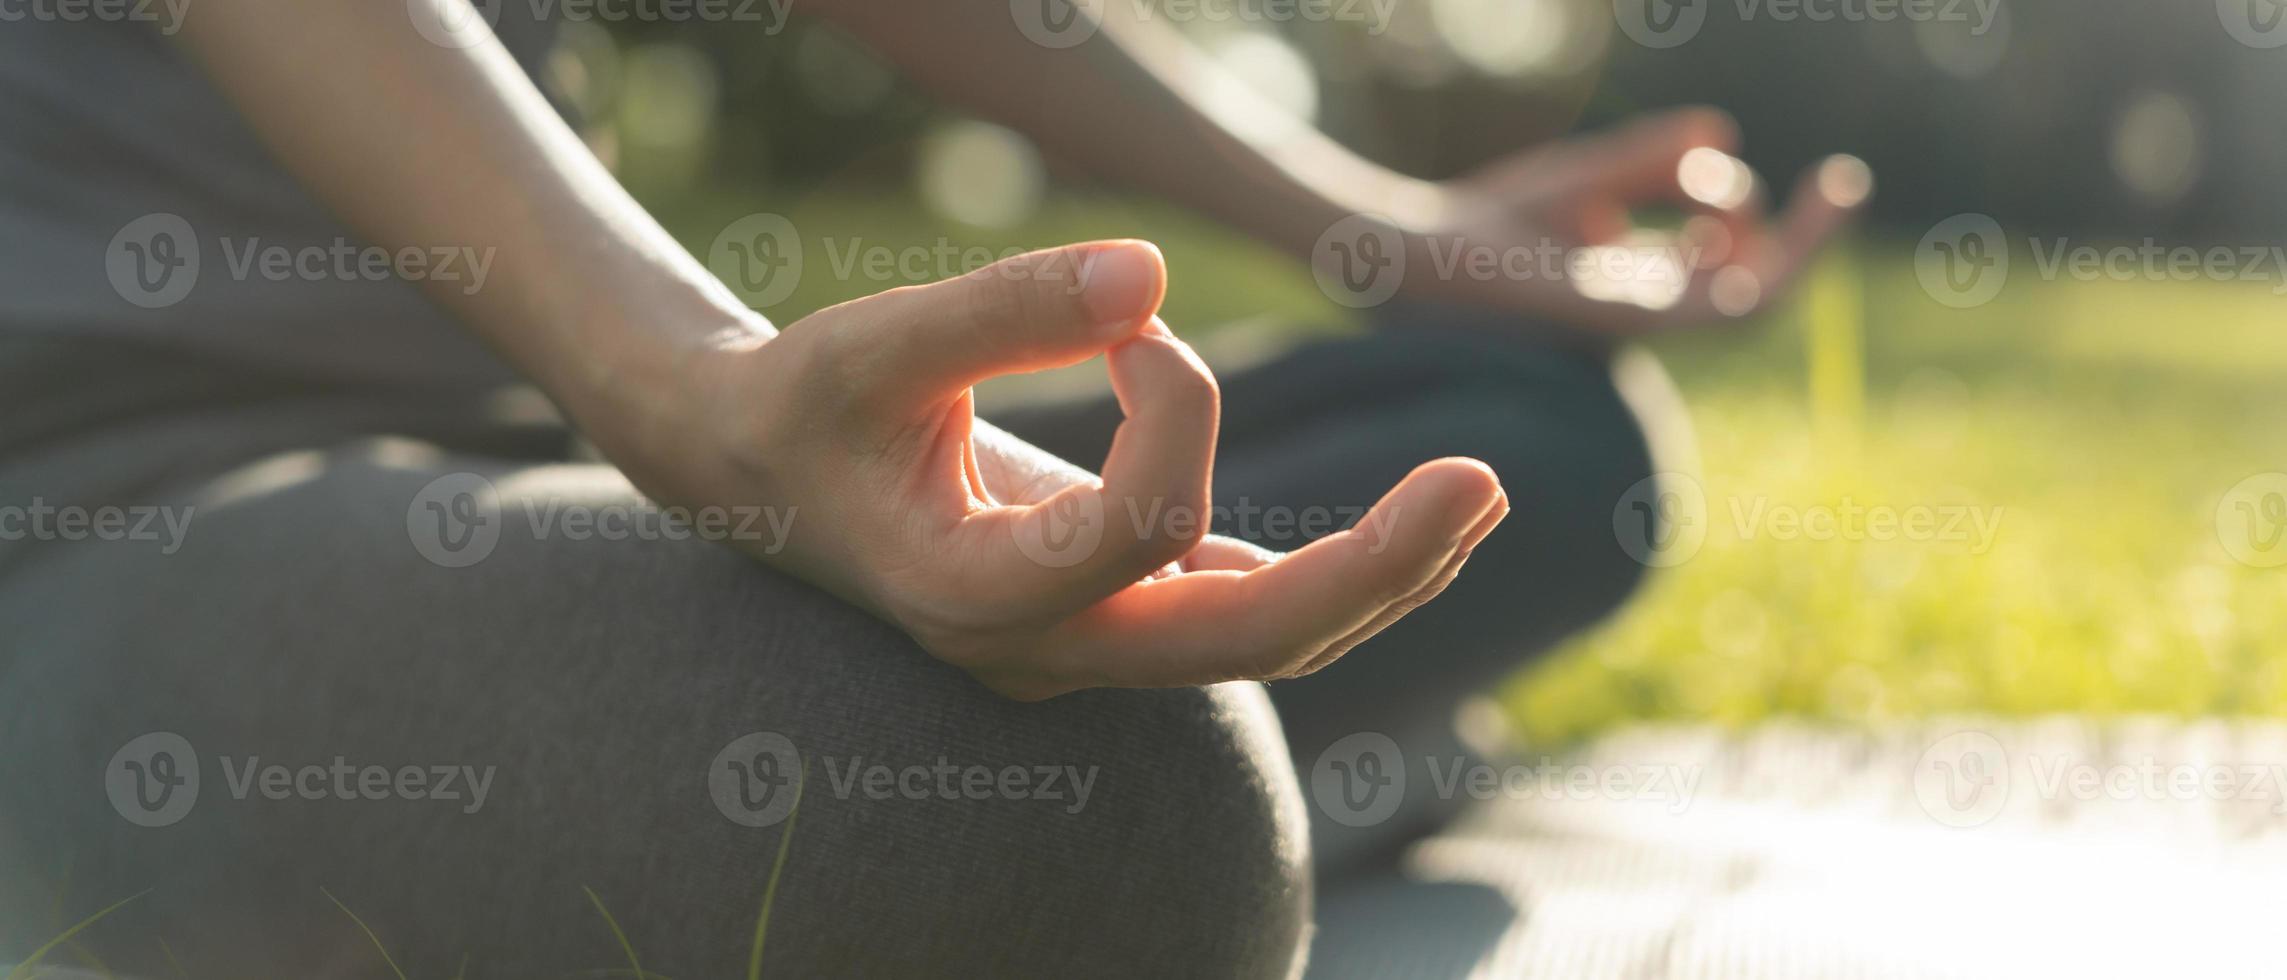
{"points": [[1549, 234]]}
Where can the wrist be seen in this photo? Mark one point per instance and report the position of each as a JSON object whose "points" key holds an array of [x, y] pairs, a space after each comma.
{"points": [[1415, 210], [633, 375]]}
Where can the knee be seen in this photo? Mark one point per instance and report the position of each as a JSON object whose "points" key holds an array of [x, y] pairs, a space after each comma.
{"points": [[1202, 825], [1570, 461], [1122, 833], [1570, 451], [1104, 833]]}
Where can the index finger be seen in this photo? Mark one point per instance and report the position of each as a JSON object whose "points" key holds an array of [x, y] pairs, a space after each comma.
{"points": [[1823, 202], [1276, 619]]}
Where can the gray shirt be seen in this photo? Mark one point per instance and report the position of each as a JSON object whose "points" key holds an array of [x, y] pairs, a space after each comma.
{"points": [[136, 203]]}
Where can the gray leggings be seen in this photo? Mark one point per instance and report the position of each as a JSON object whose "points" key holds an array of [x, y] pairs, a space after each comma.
{"points": [[633, 706]]}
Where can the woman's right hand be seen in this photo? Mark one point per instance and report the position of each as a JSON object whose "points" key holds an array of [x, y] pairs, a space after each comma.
{"points": [[1038, 578]]}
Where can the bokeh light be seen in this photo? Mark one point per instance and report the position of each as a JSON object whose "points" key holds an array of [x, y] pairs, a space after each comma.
{"points": [[1519, 38], [1276, 70], [2157, 147], [1958, 48], [980, 174]]}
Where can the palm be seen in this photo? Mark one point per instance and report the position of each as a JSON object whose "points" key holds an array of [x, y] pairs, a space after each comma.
{"points": [[1572, 206]]}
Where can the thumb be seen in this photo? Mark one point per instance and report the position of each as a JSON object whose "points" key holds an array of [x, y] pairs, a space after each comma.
{"points": [[911, 347]]}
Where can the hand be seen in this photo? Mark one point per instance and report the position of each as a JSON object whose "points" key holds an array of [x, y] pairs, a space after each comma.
{"points": [[1023, 570], [1729, 260]]}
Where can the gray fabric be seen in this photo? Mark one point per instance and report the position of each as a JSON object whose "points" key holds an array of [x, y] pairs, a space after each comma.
{"points": [[601, 679], [104, 123]]}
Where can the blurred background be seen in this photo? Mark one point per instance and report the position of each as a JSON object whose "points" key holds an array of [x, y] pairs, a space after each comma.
{"points": [[2108, 425]]}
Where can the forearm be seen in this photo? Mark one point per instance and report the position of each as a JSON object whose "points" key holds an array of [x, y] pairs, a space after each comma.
{"points": [[1137, 103], [417, 144]]}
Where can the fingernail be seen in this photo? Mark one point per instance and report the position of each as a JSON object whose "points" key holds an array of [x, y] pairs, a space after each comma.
{"points": [[1715, 178], [1500, 513], [1124, 283], [1483, 525], [1845, 180]]}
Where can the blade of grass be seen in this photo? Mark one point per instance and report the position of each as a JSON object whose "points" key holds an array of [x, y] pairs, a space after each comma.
{"points": [[385, 957], [19, 972], [171, 960], [770, 891], [1834, 321], [616, 932], [62, 895], [93, 961]]}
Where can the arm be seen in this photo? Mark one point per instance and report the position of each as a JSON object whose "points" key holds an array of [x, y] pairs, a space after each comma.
{"points": [[413, 143], [1136, 102], [856, 422]]}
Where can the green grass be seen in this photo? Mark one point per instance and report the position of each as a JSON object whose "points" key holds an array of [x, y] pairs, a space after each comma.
{"points": [[23, 970], [2100, 423], [2104, 420]]}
